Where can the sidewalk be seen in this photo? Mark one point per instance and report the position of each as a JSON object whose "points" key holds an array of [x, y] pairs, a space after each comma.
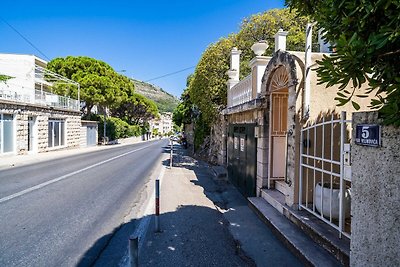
{"points": [[207, 222]]}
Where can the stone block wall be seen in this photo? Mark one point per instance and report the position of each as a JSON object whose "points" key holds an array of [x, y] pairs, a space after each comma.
{"points": [[42, 121], [73, 127], [21, 114], [218, 141], [83, 136], [375, 205], [22, 132], [189, 133]]}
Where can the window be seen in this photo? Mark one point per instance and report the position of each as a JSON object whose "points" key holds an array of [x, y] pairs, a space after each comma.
{"points": [[6, 133], [56, 133]]}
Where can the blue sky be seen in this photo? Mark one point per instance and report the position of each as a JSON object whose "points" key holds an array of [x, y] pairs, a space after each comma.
{"points": [[147, 39]]}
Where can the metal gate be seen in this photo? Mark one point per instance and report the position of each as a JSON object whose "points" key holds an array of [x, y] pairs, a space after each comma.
{"points": [[91, 135], [242, 152], [325, 171]]}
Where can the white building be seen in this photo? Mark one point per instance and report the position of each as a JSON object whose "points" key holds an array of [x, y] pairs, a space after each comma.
{"points": [[32, 118], [163, 124]]}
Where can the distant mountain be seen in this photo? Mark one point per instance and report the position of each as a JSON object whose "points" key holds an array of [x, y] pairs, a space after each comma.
{"points": [[164, 101]]}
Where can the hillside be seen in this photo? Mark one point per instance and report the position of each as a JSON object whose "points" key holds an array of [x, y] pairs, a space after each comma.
{"points": [[164, 101]]}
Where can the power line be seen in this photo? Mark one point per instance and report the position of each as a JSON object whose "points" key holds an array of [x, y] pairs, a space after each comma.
{"points": [[169, 74], [26, 39]]}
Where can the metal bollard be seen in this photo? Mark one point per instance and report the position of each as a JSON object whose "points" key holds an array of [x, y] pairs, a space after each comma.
{"points": [[157, 218], [171, 156], [134, 251]]}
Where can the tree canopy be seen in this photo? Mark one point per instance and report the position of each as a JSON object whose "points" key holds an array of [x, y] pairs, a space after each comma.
{"points": [[366, 38], [99, 83], [183, 113], [4, 78], [264, 26], [208, 89], [135, 109]]}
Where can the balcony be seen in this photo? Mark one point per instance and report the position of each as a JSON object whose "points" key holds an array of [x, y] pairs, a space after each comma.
{"points": [[37, 91]]}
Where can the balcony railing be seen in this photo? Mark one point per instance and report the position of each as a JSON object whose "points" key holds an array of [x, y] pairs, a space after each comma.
{"points": [[36, 90], [42, 98], [56, 101], [241, 92]]}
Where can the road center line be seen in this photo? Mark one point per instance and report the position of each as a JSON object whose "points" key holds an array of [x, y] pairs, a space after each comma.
{"points": [[39, 186]]}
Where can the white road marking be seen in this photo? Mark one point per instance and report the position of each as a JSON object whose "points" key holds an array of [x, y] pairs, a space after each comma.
{"points": [[39, 186]]}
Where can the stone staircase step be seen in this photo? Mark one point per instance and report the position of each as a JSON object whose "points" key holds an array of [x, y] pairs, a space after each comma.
{"points": [[323, 234], [281, 186], [292, 236]]}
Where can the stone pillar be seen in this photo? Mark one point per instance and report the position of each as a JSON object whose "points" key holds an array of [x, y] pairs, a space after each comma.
{"points": [[375, 209], [280, 40], [262, 152], [233, 73], [235, 63], [224, 125], [257, 65]]}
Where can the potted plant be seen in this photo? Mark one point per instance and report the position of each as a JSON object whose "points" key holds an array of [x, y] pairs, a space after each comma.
{"points": [[330, 195]]}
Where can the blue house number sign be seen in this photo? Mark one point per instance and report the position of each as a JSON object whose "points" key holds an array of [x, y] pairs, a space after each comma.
{"points": [[368, 135]]}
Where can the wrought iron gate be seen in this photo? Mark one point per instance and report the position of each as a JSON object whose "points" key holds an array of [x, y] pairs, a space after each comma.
{"points": [[325, 172]]}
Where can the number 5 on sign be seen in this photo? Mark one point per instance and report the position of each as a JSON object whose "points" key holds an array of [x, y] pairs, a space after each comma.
{"points": [[365, 132]]}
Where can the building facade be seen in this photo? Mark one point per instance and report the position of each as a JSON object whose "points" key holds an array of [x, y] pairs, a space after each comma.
{"points": [[162, 125], [285, 139], [32, 118]]}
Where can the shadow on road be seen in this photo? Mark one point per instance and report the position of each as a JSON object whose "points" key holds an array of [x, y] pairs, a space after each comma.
{"points": [[195, 235], [190, 236]]}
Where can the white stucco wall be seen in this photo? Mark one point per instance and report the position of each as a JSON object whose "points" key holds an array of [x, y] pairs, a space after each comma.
{"points": [[22, 70]]}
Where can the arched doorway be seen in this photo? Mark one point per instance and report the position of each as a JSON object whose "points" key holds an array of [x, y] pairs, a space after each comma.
{"points": [[278, 118]]}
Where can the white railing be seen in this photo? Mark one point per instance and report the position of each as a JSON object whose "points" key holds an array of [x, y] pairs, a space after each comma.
{"points": [[14, 96], [325, 191], [42, 98], [241, 92], [37, 90], [56, 101]]}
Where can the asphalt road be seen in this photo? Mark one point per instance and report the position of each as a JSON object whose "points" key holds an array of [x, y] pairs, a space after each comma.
{"points": [[63, 212]]}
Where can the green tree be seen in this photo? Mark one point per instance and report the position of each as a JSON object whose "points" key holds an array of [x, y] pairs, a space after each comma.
{"points": [[4, 78], [183, 113], [366, 37], [99, 84], [135, 109], [207, 88], [264, 26]]}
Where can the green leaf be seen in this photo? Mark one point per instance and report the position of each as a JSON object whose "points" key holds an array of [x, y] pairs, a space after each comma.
{"points": [[355, 105]]}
